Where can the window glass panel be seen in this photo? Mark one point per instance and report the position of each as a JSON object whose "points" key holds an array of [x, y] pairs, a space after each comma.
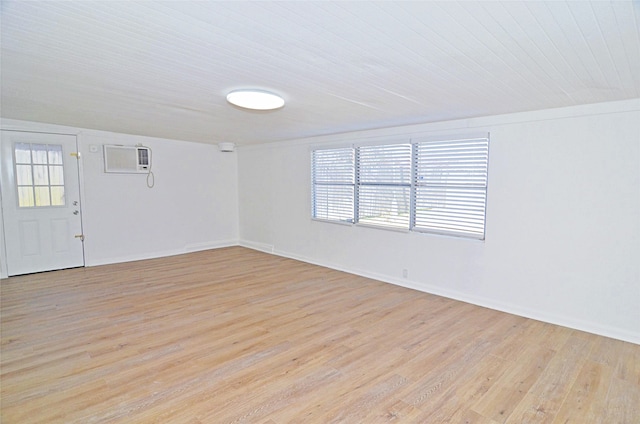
{"points": [[25, 197], [387, 164], [384, 189], [56, 175], [333, 166], [431, 186], [334, 202], [57, 196], [459, 163], [386, 206], [39, 152], [333, 184], [40, 175], [23, 175], [451, 186], [448, 209], [42, 196], [55, 154], [23, 153]]}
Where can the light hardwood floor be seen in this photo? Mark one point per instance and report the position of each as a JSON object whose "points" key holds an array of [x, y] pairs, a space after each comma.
{"points": [[239, 336]]}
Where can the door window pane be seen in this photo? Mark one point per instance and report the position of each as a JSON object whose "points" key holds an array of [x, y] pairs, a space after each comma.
{"points": [[55, 155], [42, 196], [25, 197], [39, 175], [23, 153], [23, 175], [39, 153], [56, 176], [57, 196]]}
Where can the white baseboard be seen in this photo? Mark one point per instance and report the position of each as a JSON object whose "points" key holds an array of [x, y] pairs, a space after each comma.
{"points": [[564, 321], [197, 247], [163, 253], [262, 247]]}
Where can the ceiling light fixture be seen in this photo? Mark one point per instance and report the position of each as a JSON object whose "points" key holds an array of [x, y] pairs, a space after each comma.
{"points": [[255, 99]]}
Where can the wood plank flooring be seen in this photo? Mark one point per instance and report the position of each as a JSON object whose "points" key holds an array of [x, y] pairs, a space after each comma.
{"points": [[239, 336]]}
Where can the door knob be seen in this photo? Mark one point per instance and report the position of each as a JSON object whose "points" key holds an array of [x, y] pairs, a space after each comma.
{"points": [[76, 212]]}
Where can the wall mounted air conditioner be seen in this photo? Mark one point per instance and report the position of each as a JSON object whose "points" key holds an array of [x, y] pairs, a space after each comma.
{"points": [[127, 159]]}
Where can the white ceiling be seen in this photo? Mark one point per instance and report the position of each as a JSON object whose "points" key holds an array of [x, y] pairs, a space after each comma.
{"points": [[163, 69]]}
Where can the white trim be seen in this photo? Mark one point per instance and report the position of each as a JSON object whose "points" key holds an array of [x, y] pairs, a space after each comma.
{"points": [[382, 141], [163, 253], [37, 127], [457, 127], [262, 247], [83, 217], [383, 227], [589, 327], [331, 221], [452, 137], [330, 146], [198, 247], [4, 273], [112, 137]]}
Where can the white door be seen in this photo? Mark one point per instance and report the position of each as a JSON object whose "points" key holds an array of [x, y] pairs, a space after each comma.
{"points": [[40, 202]]}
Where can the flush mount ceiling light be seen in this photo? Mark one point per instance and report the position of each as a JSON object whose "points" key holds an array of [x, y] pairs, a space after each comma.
{"points": [[255, 99]]}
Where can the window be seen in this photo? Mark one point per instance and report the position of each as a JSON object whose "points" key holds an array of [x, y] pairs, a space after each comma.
{"points": [[384, 185], [427, 186], [333, 178], [451, 186], [39, 175]]}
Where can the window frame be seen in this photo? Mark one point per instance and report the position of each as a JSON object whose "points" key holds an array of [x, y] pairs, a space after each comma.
{"points": [[467, 167], [475, 179], [331, 183], [46, 167], [385, 178]]}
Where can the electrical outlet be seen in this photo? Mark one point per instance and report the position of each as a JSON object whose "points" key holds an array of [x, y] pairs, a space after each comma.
{"points": [[405, 273]]}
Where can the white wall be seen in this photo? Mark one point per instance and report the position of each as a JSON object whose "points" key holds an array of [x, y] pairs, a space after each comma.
{"points": [[563, 214], [3, 262], [193, 205], [563, 218]]}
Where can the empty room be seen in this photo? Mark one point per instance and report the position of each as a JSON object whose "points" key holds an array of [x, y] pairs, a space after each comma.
{"points": [[281, 212]]}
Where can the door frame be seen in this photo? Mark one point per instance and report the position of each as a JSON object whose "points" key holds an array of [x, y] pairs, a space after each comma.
{"points": [[3, 245], [34, 127]]}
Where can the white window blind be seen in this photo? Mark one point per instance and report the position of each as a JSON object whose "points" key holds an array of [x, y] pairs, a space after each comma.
{"points": [[333, 179], [429, 186], [451, 186], [384, 185]]}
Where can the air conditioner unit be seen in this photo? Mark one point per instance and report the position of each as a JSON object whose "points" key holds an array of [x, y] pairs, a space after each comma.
{"points": [[127, 159]]}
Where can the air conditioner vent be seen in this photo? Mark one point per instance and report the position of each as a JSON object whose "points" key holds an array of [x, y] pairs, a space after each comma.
{"points": [[127, 159]]}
